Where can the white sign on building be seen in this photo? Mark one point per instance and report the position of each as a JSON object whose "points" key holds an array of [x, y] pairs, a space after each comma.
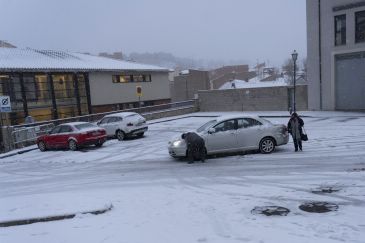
{"points": [[5, 105]]}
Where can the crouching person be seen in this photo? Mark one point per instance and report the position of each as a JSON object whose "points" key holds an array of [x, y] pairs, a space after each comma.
{"points": [[195, 146]]}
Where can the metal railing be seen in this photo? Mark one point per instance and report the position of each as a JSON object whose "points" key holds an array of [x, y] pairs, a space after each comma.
{"points": [[97, 116], [26, 134], [30, 134]]}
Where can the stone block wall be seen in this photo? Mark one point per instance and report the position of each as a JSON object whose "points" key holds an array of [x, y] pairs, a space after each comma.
{"points": [[253, 99]]}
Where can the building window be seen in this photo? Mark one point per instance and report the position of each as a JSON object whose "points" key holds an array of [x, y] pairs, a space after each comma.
{"points": [[340, 30], [360, 27], [30, 87], [122, 78], [131, 78]]}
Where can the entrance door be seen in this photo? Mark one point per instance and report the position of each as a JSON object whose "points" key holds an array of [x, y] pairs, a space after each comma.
{"points": [[350, 82]]}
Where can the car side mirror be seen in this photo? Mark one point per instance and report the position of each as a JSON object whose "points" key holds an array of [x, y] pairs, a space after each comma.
{"points": [[211, 130], [98, 123]]}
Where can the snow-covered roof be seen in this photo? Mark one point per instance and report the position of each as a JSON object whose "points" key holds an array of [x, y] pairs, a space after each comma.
{"points": [[185, 72], [12, 59], [234, 116], [122, 114], [253, 83]]}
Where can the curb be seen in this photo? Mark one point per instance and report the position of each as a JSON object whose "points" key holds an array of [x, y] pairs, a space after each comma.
{"points": [[52, 218], [19, 152]]}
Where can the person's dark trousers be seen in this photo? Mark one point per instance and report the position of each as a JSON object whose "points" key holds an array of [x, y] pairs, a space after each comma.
{"points": [[196, 152], [202, 154], [297, 143], [191, 152]]}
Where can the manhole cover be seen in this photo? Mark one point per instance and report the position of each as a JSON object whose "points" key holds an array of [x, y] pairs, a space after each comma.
{"points": [[358, 169], [318, 207], [323, 190], [271, 211]]}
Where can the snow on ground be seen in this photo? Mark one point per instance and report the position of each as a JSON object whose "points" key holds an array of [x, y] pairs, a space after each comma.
{"points": [[159, 199]]}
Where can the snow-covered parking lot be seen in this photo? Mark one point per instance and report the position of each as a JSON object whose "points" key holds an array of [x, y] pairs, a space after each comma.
{"points": [[158, 199]]}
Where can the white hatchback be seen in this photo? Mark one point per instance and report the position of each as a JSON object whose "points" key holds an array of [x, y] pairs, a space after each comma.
{"points": [[124, 124], [233, 134]]}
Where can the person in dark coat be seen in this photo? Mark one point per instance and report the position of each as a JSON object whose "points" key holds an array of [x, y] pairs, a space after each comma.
{"points": [[295, 128], [195, 146]]}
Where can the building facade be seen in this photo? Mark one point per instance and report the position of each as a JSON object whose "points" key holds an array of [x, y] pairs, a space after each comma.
{"points": [[224, 74], [53, 84], [187, 83], [336, 54]]}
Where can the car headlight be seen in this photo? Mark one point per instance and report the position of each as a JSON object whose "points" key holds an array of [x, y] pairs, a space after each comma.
{"points": [[177, 143]]}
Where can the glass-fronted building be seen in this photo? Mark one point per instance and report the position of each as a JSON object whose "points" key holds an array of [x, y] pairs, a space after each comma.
{"points": [[53, 84]]}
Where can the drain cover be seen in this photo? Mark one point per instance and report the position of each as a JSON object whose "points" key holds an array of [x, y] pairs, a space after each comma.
{"points": [[271, 211], [318, 207], [323, 190], [358, 169]]}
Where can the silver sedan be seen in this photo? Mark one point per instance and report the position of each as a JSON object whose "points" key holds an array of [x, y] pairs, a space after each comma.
{"points": [[234, 134]]}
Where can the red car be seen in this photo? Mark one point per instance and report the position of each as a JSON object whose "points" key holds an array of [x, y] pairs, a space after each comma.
{"points": [[72, 135]]}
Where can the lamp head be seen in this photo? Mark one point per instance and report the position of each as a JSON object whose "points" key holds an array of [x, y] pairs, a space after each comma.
{"points": [[294, 55]]}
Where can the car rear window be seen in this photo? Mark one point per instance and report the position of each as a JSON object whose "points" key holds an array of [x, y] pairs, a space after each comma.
{"points": [[84, 125]]}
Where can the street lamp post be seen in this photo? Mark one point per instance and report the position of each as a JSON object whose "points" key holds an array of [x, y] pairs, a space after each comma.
{"points": [[294, 56]]}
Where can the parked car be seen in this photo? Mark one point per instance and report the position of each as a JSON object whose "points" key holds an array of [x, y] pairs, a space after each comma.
{"points": [[234, 134], [124, 124], [73, 136]]}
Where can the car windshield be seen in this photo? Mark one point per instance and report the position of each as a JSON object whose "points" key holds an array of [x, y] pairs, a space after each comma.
{"points": [[84, 125], [206, 125], [266, 121]]}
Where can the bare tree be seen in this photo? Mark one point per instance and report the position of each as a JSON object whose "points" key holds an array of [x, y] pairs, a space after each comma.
{"points": [[288, 70], [304, 69]]}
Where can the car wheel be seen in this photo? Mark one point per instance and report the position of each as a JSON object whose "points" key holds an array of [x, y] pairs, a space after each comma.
{"points": [[42, 146], [72, 145], [99, 144], [120, 135], [267, 145]]}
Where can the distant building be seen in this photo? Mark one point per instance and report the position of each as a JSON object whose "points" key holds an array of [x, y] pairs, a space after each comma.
{"points": [[54, 84], [115, 55], [5, 44], [187, 84], [336, 54], [222, 75]]}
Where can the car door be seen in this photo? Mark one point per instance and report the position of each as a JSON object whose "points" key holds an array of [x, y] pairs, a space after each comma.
{"points": [[63, 136], [51, 138], [104, 123], [249, 132], [115, 123], [223, 139]]}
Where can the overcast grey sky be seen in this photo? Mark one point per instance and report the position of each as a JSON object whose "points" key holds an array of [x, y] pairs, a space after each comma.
{"points": [[208, 29]]}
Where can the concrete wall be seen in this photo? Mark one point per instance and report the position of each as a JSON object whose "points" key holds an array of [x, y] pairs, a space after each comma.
{"points": [[103, 91], [186, 86], [254, 99], [325, 50]]}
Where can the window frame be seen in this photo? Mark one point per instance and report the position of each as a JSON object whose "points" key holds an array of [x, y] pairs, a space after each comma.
{"points": [[58, 129], [132, 78], [62, 127], [357, 40], [342, 31], [233, 129]]}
